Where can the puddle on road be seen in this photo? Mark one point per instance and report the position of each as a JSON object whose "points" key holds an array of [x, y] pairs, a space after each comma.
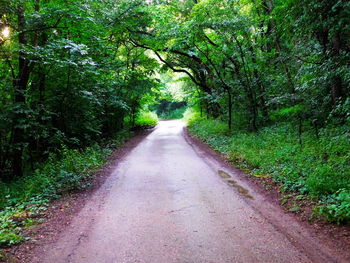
{"points": [[240, 189], [223, 174]]}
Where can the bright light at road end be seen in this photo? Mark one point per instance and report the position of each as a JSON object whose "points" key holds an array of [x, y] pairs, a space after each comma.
{"points": [[6, 32]]}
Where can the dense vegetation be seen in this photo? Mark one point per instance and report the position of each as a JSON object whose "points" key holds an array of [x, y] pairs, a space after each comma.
{"points": [[170, 110], [75, 73], [69, 76], [318, 169]]}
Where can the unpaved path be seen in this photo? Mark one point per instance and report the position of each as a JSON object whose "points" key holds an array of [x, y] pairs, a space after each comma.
{"points": [[169, 202]]}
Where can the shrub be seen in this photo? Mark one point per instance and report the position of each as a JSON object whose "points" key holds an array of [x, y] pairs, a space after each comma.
{"points": [[190, 116], [145, 119]]}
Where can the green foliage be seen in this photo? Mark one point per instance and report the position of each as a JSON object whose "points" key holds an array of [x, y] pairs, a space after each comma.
{"points": [[175, 114], [338, 210], [22, 200], [68, 76], [18, 214], [288, 113], [211, 128], [319, 167], [69, 173], [63, 172], [146, 119], [213, 132], [190, 116], [170, 110], [8, 239]]}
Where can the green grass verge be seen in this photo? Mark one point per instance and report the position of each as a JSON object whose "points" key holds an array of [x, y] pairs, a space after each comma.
{"points": [[22, 200], [320, 168]]}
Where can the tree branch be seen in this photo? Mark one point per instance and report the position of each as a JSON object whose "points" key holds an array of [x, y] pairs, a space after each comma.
{"points": [[44, 28], [210, 41], [310, 62], [175, 69]]}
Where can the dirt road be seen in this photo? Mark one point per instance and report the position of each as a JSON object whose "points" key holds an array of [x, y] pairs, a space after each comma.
{"points": [[169, 202]]}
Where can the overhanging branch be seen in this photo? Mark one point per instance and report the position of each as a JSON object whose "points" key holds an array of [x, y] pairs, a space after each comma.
{"points": [[177, 70]]}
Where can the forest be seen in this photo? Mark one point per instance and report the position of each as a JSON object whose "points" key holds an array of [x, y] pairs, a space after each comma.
{"points": [[265, 81]]}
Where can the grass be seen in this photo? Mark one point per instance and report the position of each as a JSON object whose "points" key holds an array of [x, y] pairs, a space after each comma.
{"points": [[22, 200], [320, 168]]}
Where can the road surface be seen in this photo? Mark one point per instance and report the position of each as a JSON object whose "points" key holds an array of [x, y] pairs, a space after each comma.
{"points": [[169, 202]]}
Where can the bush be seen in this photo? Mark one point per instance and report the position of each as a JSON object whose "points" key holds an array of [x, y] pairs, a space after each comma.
{"points": [[190, 116], [146, 119]]}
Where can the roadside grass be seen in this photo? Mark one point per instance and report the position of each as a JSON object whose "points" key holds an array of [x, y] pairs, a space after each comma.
{"points": [[22, 201], [319, 168]]}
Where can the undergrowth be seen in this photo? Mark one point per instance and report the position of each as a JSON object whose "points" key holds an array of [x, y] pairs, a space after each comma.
{"points": [[22, 201], [318, 168]]}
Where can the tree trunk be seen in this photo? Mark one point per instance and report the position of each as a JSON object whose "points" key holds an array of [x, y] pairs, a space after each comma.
{"points": [[20, 86], [336, 88], [229, 109], [300, 129], [261, 89]]}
